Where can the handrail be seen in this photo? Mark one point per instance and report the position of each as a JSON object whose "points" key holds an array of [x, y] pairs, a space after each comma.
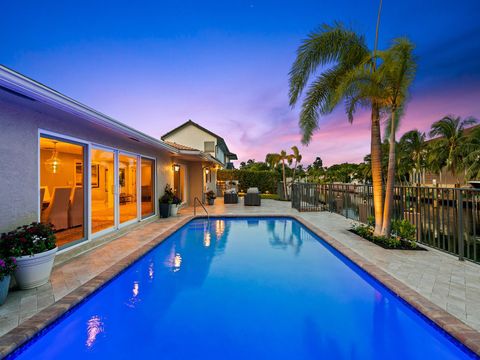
{"points": [[195, 207]]}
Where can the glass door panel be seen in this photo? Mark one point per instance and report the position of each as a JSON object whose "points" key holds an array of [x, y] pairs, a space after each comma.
{"points": [[148, 188], [62, 196], [127, 187], [103, 189]]}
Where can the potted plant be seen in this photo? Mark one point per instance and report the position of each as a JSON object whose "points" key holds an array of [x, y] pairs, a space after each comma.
{"points": [[7, 266], [34, 249], [165, 202], [176, 201], [211, 197]]}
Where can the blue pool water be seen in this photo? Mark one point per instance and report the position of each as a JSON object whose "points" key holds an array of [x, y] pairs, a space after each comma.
{"points": [[243, 289]]}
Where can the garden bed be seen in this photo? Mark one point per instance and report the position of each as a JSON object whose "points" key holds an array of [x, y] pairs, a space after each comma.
{"points": [[402, 236]]}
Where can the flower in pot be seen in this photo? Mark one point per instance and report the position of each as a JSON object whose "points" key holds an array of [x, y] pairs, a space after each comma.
{"points": [[211, 197], [7, 267], [34, 249], [165, 202], [176, 201]]}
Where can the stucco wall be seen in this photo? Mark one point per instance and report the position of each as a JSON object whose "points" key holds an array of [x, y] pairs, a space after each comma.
{"points": [[191, 136], [20, 120]]}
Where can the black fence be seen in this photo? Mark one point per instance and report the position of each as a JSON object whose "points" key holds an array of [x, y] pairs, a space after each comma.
{"points": [[446, 218]]}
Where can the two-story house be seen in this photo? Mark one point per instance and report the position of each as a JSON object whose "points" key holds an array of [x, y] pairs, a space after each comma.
{"points": [[198, 138]]}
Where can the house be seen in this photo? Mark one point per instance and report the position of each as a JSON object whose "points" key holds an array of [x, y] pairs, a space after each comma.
{"points": [[88, 174], [191, 136]]}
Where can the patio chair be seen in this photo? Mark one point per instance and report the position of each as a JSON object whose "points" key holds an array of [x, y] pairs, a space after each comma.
{"points": [[230, 197], [252, 197]]}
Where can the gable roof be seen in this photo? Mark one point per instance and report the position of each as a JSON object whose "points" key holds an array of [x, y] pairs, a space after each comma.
{"points": [[221, 142]]}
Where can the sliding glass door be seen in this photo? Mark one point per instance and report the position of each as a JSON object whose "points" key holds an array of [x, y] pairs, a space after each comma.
{"points": [[127, 187], [62, 195], [102, 185], [148, 187]]}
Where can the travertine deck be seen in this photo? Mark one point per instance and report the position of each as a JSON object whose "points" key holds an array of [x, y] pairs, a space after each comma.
{"points": [[452, 285]]}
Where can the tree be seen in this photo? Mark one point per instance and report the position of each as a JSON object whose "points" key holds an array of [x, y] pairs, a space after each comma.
{"points": [[298, 159], [282, 157], [449, 148], [318, 163], [385, 88], [272, 160], [337, 51], [413, 152], [472, 160]]}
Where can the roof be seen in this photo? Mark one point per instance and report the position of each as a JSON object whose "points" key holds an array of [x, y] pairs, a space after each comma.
{"points": [[180, 146], [220, 140]]}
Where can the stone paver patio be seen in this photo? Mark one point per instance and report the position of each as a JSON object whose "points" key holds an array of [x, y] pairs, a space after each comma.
{"points": [[450, 284]]}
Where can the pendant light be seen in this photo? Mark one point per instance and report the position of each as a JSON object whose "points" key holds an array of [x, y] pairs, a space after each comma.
{"points": [[53, 164]]}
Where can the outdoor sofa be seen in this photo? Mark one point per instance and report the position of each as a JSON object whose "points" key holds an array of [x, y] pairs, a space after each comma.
{"points": [[252, 197]]}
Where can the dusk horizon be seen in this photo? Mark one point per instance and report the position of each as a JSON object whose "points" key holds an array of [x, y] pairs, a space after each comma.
{"points": [[226, 66]]}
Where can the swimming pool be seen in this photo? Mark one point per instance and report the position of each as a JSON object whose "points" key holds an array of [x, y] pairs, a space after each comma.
{"points": [[243, 288]]}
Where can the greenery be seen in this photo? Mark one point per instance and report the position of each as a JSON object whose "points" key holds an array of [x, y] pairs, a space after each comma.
{"points": [[28, 240], [402, 235], [211, 195], [265, 180], [270, 196], [169, 196], [7, 266]]}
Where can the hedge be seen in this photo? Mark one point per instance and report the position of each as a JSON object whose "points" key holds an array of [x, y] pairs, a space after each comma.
{"points": [[263, 180]]}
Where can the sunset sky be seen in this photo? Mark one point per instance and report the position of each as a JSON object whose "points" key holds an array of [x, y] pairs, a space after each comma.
{"points": [[224, 64]]}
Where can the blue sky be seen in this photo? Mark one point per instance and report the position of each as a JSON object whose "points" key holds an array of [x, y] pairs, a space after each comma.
{"points": [[155, 64]]}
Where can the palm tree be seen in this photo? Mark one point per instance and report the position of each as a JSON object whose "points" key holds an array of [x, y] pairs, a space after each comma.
{"points": [[450, 145], [472, 160], [387, 89], [298, 159], [412, 151], [282, 157], [341, 50], [272, 160]]}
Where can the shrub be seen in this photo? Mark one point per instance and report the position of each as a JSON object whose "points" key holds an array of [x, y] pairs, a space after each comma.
{"points": [[270, 196], [211, 195], [28, 240], [7, 266], [264, 180]]}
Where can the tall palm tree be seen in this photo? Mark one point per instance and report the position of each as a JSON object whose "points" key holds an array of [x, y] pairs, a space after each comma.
{"points": [[282, 157], [341, 50], [413, 151], [298, 159], [386, 87], [450, 145]]}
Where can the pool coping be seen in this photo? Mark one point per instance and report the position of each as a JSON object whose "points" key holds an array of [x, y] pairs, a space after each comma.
{"points": [[25, 331]]}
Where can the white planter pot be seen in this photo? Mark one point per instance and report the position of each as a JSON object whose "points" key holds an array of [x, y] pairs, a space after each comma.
{"points": [[34, 271], [174, 209]]}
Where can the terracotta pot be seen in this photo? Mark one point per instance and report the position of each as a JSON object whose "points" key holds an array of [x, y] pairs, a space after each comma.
{"points": [[33, 271]]}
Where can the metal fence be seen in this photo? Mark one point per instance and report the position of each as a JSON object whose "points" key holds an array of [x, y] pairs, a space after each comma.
{"points": [[446, 218]]}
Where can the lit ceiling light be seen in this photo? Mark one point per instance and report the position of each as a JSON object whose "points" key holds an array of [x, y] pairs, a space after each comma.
{"points": [[53, 164]]}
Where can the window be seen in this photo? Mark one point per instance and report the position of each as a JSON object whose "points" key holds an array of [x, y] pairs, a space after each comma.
{"points": [[209, 146], [62, 185]]}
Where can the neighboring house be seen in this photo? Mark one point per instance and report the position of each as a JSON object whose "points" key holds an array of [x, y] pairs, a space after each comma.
{"points": [[88, 174], [198, 138]]}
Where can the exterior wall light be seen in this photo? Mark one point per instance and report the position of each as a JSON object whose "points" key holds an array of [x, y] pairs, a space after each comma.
{"points": [[207, 171], [176, 167]]}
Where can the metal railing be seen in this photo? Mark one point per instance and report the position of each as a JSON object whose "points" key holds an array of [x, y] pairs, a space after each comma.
{"points": [[195, 200], [446, 218]]}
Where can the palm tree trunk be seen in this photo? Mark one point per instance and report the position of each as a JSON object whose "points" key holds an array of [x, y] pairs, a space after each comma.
{"points": [[388, 207], [294, 169], [284, 180], [376, 156]]}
